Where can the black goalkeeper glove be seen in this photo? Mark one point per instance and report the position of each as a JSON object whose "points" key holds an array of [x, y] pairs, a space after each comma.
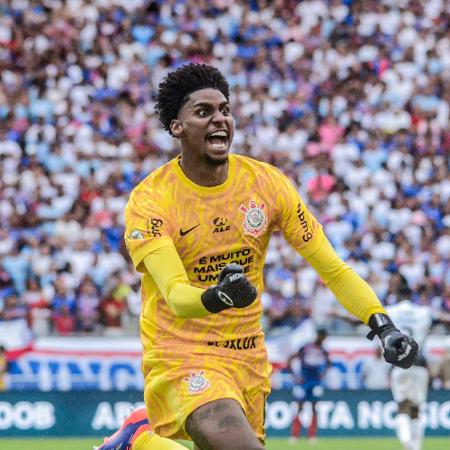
{"points": [[399, 349], [232, 291]]}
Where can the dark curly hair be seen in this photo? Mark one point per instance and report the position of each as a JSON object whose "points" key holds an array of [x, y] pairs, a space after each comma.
{"points": [[175, 88]]}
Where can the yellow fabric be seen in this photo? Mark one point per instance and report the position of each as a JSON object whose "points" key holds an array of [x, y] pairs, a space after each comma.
{"points": [[166, 269], [209, 227], [182, 381], [151, 441], [347, 286], [180, 235]]}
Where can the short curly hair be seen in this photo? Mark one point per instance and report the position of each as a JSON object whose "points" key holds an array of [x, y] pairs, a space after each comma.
{"points": [[175, 88]]}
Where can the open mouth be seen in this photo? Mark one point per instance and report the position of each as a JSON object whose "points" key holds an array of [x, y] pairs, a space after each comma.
{"points": [[218, 140]]}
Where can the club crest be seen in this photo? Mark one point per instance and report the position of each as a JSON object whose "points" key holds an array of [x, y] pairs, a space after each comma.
{"points": [[197, 382], [255, 221]]}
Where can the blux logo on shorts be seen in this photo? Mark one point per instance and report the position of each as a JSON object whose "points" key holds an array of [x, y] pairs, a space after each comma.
{"points": [[197, 382], [236, 344]]}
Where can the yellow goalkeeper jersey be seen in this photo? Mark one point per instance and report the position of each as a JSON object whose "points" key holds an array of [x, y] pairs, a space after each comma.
{"points": [[211, 227]]}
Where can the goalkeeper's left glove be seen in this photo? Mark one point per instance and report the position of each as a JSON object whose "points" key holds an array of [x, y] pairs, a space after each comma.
{"points": [[399, 349], [233, 290]]}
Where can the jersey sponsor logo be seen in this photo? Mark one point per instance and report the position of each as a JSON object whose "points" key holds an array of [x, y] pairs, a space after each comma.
{"points": [[185, 232], [255, 221], [307, 235], [208, 267], [221, 225], [154, 227], [197, 382], [247, 343]]}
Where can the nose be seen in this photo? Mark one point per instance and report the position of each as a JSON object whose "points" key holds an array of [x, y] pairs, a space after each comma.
{"points": [[218, 117]]}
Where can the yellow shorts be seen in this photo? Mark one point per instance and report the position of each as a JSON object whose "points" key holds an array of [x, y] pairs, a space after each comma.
{"points": [[178, 382]]}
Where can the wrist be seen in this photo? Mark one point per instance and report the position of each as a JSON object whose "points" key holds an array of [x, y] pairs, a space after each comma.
{"points": [[378, 323]]}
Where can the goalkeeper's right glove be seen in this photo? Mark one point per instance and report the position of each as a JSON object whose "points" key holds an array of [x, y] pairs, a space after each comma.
{"points": [[232, 291], [399, 349]]}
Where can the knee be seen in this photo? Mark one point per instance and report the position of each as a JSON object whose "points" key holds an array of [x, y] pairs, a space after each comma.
{"points": [[221, 425], [414, 412], [409, 408]]}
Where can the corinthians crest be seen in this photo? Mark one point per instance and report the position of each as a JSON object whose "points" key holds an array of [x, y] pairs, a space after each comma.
{"points": [[197, 383], [255, 221]]}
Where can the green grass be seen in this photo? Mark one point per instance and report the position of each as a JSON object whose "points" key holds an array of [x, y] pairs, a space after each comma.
{"points": [[272, 444]]}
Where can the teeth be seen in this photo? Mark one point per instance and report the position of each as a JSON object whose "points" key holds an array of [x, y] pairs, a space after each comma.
{"points": [[219, 134], [221, 146]]}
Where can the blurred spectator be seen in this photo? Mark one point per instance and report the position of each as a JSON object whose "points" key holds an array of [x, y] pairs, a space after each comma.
{"points": [[87, 306], [13, 309], [110, 311], [63, 321], [350, 99]]}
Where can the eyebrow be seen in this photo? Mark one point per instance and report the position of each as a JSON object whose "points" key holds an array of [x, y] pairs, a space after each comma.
{"points": [[208, 104]]}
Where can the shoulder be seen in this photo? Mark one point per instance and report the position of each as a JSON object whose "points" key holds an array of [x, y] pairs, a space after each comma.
{"points": [[155, 181], [153, 192], [246, 162], [259, 170]]}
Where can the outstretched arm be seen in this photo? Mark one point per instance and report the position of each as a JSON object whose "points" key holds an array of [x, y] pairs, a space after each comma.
{"points": [[360, 300], [349, 288]]}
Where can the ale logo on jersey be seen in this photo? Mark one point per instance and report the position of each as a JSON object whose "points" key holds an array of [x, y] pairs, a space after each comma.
{"points": [[221, 225], [197, 382], [255, 221]]}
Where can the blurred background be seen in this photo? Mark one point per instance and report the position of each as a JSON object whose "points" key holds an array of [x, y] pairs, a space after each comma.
{"points": [[350, 99]]}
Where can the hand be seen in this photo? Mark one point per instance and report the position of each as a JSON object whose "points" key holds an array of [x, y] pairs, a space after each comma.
{"points": [[232, 291], [399, 349]]}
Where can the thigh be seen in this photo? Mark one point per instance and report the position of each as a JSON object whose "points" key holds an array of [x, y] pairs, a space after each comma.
{"points": [[421, 379], [222, 425], [400, 384], [299, 393], [178, 384], [171, 396]]}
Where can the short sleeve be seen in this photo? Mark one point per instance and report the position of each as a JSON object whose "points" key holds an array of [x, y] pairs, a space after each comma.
{"points": [[298, 225], [147, 225]]}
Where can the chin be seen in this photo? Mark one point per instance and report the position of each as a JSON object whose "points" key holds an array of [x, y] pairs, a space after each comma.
{"points": [[217, 160]]}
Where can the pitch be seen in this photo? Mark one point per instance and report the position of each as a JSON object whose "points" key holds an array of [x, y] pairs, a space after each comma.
{"points": [[272, 444]]}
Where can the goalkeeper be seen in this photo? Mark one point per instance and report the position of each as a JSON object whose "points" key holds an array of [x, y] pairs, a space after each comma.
{"points": [[198, 230]]}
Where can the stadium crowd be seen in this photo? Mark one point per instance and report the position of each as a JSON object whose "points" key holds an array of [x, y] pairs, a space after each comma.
{"points": [[348, 98]]}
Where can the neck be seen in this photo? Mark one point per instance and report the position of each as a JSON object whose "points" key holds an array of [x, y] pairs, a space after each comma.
{"points": [[204, 173]]}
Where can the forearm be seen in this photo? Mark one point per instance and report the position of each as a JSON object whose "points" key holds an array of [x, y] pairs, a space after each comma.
{"points": [[167, 271], [185, 301], [347, 286]]}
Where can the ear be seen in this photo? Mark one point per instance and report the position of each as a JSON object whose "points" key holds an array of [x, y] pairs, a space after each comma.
{"points": [[176, 127]]}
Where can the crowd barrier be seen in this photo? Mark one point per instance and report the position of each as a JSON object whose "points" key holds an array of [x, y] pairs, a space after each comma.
{"points": [[107, 363]]}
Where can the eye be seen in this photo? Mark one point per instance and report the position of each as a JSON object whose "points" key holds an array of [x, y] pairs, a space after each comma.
{"points": [[226, 111], [202, 113]]}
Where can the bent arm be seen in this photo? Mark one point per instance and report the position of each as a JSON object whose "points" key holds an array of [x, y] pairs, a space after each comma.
{"points": [[349, 288], [166, 268]]}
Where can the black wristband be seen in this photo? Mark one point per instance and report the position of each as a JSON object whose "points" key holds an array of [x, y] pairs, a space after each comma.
{"points": [[377, 323]]}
